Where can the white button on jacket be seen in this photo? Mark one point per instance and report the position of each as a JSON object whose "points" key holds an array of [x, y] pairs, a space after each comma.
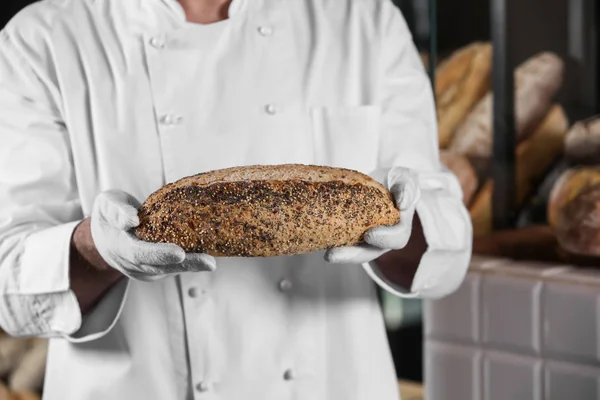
{"points": [[265, 30], [83, 87]]}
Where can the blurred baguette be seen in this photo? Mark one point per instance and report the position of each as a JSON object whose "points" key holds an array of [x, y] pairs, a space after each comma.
{"points": [[29, 373], [582, 144], [533, 158], [25, 395], [4, 392], [461, 81], [12, 351], [7, 394], [536, 82], [462, 168], [481, 210]]}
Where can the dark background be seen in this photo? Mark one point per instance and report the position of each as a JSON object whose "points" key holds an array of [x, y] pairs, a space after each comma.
{"points": [[11, 7]]}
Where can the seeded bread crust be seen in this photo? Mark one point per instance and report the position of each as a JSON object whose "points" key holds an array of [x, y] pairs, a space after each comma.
{"points": [[264, 211]]}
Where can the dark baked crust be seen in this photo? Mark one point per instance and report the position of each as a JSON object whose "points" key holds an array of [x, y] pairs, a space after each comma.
{"points": [[261, 211]]}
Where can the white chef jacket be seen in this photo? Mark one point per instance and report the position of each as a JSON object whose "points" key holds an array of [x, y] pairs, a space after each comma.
{"points": [[125, 94]]}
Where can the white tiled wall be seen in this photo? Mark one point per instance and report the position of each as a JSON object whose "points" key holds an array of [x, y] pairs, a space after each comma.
{"points": [[457, 369], [511, 376], [515, 331]]}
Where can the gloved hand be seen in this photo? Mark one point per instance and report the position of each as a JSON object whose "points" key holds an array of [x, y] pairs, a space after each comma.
{"points": [[113, 216], [404, 186]]}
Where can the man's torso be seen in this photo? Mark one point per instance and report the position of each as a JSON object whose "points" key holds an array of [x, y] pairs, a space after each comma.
{"points": [[148, 99]]}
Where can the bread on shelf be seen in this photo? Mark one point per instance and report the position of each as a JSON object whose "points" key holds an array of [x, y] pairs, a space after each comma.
{"points": [[8, 394], [582, 144], [12, 350], [533, 158], [536, 83], [28, 374], [574, 210], [462, 168], [461, 80]]}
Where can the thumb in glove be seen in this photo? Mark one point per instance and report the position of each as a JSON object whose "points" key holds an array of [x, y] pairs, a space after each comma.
{"points": [[114, 216], [404, 186]]}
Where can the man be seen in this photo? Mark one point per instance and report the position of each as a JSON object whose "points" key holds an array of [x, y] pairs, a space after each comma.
{"points": [[104, 101]]}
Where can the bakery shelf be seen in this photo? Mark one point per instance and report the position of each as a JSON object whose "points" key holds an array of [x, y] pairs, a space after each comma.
{"points": [[533, 243], [580, 47], [504, 143], [524, 323]]}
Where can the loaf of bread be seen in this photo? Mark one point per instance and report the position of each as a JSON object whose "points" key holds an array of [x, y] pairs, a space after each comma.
{"points": [[574, 210], [533, 158], [537, 153], [462, 168], [7, 394], [582, 144], [4, 392], [28, 375], [461, 81], [481, 210], [568, 186], [24, 395], [536, 83], [12, 350], [262, 211]]}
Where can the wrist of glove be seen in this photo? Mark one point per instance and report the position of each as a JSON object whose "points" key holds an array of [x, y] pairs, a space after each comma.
{"points": [[404, 187], [114, 215]]}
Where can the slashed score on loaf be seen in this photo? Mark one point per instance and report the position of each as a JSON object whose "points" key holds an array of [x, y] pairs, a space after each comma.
{"points": [[262, 211]]}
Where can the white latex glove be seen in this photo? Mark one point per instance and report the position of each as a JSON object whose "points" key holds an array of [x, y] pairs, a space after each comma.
{"points": [[404, 186], [113, 216]]}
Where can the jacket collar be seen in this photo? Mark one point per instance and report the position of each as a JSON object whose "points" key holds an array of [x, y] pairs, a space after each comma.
{"points": [[235, 7]]}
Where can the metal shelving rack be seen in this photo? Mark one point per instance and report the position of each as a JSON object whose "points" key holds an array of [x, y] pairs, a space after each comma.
{"points": [[504, 208], [432, 40], [597, 48], [504, 143]]}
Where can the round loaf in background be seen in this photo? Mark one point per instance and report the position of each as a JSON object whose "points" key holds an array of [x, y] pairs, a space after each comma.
{"points": [[574, 210], [268, 210], [568, 186]]}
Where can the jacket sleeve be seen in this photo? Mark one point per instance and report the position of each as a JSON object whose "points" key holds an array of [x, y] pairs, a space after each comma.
{"points": [[409, 139], [39, 202]]}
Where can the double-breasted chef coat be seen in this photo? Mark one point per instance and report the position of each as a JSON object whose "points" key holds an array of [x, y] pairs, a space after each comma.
{"points": [[125, 94]]}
